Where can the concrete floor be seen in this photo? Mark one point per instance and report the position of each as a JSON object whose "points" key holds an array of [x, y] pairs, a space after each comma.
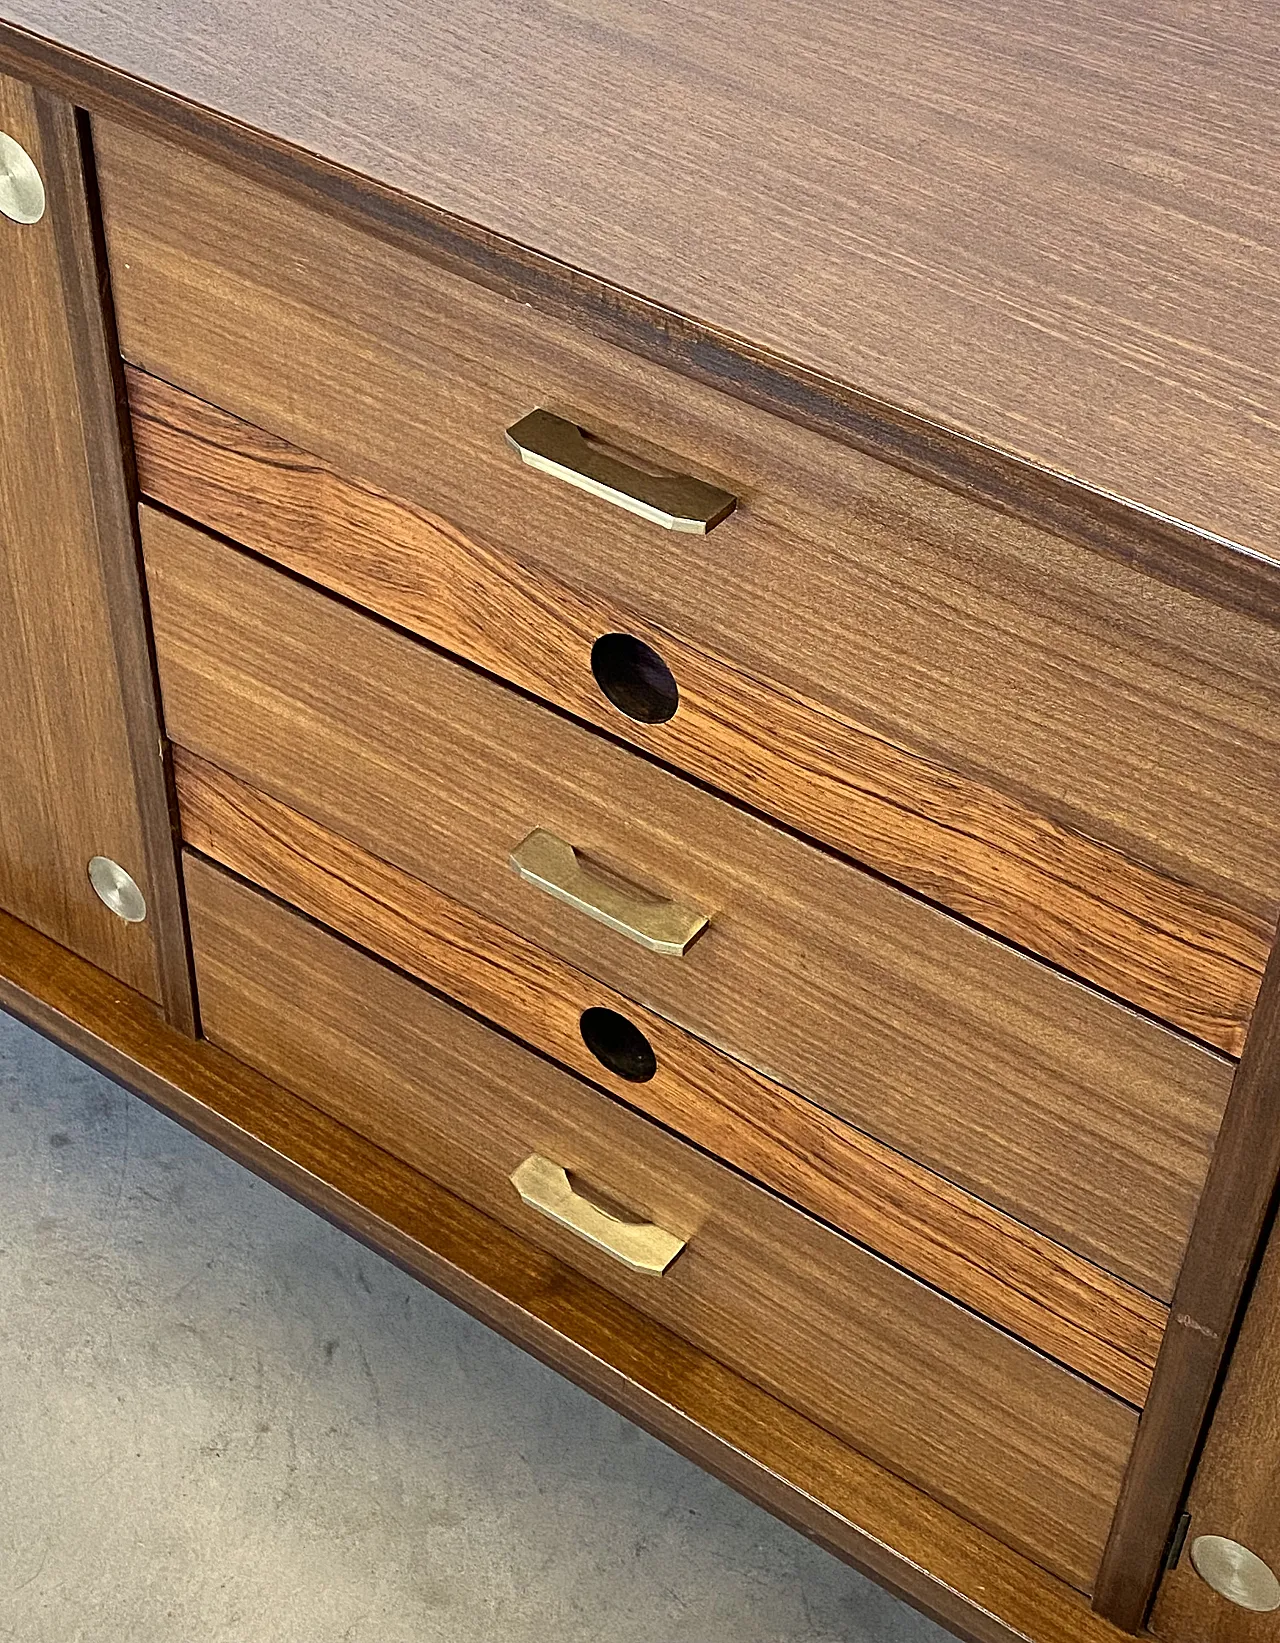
{"points": [[222, 1421]]}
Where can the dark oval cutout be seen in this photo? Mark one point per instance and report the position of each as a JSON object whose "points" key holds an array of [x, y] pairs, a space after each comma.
{"points": [[635, 678], [618, 1044]]}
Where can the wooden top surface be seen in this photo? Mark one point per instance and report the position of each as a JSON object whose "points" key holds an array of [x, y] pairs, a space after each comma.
{"points": [[1054, 227]]}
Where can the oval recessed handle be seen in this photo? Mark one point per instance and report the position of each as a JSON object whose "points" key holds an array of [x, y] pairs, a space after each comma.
{"points": [[678, 502], [549, 864], [641, 1245]]}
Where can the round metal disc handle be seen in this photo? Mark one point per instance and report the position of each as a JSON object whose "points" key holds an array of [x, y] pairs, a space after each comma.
{"points": [[1235, 1573], [677, 502], [640, 1245], [21, 190], [117, 890]]}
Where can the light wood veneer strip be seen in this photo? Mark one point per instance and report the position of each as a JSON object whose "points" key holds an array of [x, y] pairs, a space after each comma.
{"points": [[1106, 1329], [1177, 951]]}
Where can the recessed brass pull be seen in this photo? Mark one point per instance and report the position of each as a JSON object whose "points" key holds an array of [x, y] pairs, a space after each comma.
{"points": [[677, 502], [641, 1245], [550, 864]]}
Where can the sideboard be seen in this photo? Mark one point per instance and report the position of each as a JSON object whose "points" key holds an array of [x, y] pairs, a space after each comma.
{"points": [[642, 660]]}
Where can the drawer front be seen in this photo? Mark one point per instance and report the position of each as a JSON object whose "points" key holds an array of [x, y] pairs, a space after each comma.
{"points": [[1085, 1318], [1000, 1434], [1071, 753], [1052, 1103]]}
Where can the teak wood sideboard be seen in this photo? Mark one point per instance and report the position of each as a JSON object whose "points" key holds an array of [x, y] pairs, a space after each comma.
{"points": [[642, 659]]}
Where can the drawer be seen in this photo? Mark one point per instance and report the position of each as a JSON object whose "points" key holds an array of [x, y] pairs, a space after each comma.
{"points": [[1002, 1435], [1048, 1296], [1058, 1106], [1060, 747]]}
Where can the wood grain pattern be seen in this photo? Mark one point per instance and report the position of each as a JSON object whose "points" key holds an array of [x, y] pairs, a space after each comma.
{"points": [[946, 1567], [1181, 954], [79, 740], [755, 375], [1117, 707], [1106, 1330], [1057, 233], [1233, 1492], [1025, 1449], [1239, 1198], [1063, 1109]]}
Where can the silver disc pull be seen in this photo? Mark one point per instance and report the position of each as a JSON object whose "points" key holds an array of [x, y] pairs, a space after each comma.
{"points": [[117, 890], [21, 191], [1235, 1573]]}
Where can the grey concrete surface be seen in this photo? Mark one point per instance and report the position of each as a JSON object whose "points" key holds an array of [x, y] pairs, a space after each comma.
{"points": [[222, 1421]]}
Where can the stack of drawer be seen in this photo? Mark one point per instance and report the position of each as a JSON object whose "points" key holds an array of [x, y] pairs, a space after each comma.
{"points": [[821, 908]]}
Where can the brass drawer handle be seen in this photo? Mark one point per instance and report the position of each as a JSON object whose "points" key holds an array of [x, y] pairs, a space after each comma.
{"points": [[641, 1245], [678, 502], [549, 864]]}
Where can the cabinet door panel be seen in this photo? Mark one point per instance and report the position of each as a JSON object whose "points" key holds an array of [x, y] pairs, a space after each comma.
{"points": [[1235, 1492], [81, 764]]}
